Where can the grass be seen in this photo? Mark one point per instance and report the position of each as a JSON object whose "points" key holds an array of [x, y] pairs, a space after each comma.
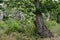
{"points": [[20, 36], [52, 25]]}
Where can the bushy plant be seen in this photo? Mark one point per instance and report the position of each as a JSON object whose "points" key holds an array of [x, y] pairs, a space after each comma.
{"points": [[11, 25], [2, 26], [51, 23], [54, 27]]}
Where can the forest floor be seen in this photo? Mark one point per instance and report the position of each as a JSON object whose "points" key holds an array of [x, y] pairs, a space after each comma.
{"points": [[54, 27], [20, 36]]}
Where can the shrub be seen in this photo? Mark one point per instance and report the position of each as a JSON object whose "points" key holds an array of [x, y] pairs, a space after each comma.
{"points": [[12, 25]]}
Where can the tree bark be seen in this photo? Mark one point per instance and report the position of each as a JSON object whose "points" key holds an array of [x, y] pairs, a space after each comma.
{"points": [[58, 17], [41, 28], [1, 15]]}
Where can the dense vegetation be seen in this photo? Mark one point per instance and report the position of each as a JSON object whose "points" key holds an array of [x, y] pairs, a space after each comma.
{"points": [[21, 19]]}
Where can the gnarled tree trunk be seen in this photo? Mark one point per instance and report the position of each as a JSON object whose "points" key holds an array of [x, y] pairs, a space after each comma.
{"points": [[41, 28]]}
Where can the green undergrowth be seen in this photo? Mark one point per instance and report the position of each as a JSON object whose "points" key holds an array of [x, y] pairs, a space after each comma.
{"points": [[54, 27], [12, 25], [25, 29]]}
